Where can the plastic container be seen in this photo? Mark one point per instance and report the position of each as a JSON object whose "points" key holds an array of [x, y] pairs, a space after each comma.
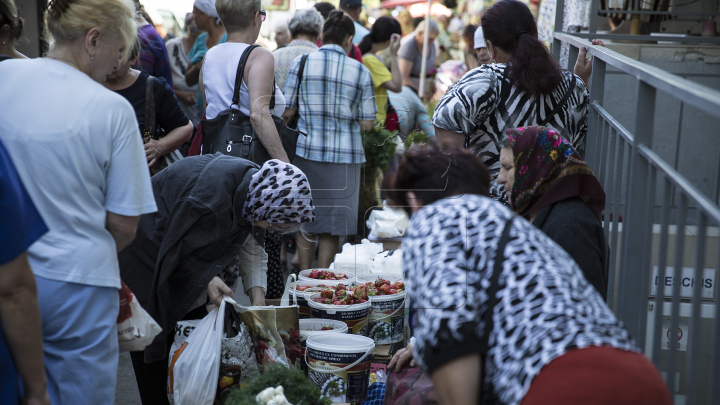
{"points": [[386, 320], [311, 327], [355, 316], [304, 275], [304, 310], [339, 365]]}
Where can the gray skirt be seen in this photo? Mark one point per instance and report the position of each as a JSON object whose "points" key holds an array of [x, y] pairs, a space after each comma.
{"points": [[335, 190]]}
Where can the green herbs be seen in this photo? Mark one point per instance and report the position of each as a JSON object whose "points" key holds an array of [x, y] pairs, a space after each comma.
{"points": [[298, 389]]}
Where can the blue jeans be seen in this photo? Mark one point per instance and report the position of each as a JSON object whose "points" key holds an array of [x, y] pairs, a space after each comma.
{"points": [[80, 341]]}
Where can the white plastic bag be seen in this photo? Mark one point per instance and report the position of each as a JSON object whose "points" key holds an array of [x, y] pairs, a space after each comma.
{"points": [[357, 259], [387, 222], [196, 370], [136, 328], [182, 332], [389, 262]]}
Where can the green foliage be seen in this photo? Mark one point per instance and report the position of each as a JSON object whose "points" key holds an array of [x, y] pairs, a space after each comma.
{"points": [[380, 145], [298, 389], [415, 137]]}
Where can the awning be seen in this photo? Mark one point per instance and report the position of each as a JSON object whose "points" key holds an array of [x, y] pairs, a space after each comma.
{"points": [[395, 3]]}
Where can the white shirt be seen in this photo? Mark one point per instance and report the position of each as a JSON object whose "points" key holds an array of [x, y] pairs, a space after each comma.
{"points": [[78, 150], [219, 70], [179, 63]]}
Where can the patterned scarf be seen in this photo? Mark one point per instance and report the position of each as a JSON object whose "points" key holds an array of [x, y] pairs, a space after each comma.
{"points": [[548, 170], [280, 194]]}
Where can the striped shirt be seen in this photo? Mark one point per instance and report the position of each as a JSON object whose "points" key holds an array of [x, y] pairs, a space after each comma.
{"points": [[335, 92]]}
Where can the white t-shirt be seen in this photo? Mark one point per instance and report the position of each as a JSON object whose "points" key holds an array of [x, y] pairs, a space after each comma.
{"points": [[78, 150], [179, 63], [219, 70]]}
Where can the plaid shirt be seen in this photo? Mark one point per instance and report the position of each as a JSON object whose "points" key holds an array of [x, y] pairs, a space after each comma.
{"points": [[336, 92]]}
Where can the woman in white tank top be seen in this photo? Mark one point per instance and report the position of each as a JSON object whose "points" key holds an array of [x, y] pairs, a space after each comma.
{"points": [[242, 20]]}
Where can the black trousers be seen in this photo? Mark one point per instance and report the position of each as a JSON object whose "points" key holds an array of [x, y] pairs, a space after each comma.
{"points": [[152, 377]]}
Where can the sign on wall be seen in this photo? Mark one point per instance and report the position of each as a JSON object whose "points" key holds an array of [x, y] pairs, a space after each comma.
{"points": [[687, 282]]}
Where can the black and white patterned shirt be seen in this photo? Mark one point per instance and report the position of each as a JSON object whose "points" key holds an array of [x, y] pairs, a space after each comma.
{"points": [[483, 104], [545, 305]]}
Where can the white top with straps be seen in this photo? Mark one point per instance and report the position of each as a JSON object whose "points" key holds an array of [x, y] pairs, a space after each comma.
{"points": [[219, 70]]}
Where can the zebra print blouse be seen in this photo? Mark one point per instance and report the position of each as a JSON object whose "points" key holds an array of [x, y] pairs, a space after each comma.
{"points": [[483, 104]]}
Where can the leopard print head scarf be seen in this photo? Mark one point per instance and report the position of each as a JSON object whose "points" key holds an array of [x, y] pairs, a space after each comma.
{"points": [[279, 193]]}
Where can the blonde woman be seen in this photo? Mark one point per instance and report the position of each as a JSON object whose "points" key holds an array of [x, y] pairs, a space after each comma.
{"points": [[77, 149]]}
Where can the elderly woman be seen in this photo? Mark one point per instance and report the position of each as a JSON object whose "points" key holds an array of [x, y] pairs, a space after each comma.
{"points": [[84, 169], [550, 185], [334, 103], [410, 53], [168, 114], [207, 233], [507, 316], [523, 86], [305, 28], [11, 30]]}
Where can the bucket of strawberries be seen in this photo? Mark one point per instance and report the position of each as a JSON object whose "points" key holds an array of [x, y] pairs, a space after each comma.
{"points": [[327, 275], [347, 303], [386, 320]]}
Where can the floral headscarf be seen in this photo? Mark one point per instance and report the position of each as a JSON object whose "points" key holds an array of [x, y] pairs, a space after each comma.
{"points": [[279, 193], [548, 170]]}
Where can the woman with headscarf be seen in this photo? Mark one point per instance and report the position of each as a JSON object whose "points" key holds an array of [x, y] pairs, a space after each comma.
{"points": [[207, 233], [549, 184], [505, 316]]}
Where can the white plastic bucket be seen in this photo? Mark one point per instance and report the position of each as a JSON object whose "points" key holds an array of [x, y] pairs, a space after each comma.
{"points": [[386, 320], [304, 276], [311, 327], [355, 316], [339, 365], [304, 310]]}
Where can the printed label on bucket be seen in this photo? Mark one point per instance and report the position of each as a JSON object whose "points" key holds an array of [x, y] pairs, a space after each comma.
{"points": [[344, 386], [382, 327], [356, 320]]}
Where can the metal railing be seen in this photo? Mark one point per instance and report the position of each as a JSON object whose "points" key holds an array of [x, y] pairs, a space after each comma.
{"points": [[636, 179]]}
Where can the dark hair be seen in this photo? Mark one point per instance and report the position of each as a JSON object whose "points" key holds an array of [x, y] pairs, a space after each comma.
{"points": [[417, 21], [510, 26], [381, 31], [469, 31], [9, 15], [324, 8], [139, 8], [337, 28], [433, 174]]}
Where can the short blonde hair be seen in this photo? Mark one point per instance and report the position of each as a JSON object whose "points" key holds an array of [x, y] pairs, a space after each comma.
{"points": [[237, 15], [114, 18]]}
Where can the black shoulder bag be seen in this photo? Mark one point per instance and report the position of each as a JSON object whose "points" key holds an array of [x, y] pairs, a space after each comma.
{"points": [[294, 120], [154, 131], [231, 132]]}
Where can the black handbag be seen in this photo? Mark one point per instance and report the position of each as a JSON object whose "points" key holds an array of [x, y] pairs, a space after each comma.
{"points": [[294, 120], [154, 131], [231, 132]]}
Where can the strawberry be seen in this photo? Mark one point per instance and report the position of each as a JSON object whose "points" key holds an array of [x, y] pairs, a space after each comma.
{"points": [[363, 301], [399, 285], [340, 286], [392, 291], [326, 294], [384, 289], [314, 274]]}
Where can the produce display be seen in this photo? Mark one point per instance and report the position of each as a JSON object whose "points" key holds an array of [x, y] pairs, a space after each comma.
{"points": [[384, 287], [305, 287], [326, 275]]}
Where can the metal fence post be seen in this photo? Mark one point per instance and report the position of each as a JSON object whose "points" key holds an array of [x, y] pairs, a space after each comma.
{"points": [[597, 94], [634, 286], [559, 16]]}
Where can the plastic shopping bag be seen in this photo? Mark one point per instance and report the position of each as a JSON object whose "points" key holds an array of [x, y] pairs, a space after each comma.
{"points": [[409, 387], [136, 328], [182, 332], [238, 361], [195, 374]]}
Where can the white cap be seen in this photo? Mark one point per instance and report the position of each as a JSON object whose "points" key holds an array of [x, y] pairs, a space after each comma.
{"points": [[479, 38], [207, 7]]}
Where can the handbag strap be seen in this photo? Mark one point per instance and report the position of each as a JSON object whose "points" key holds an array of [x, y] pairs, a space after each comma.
{"points": [[239, 75], [150, 126], [494, 285], [560, 105], [297, 88]]}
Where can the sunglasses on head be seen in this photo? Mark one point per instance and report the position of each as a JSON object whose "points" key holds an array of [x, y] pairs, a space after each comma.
{"points": [[263, 15]]}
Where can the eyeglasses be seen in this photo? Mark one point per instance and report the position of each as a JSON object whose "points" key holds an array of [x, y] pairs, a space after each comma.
{"points": [[263, 15]]}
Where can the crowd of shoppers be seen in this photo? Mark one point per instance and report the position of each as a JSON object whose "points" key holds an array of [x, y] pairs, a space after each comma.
{"points": [[78, 207]]}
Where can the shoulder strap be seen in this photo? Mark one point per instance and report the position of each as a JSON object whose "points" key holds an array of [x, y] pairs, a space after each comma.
{"points": [[494, 287], [240, 72], [150, 128], [559, 105], [352, 52], [301, 70]]}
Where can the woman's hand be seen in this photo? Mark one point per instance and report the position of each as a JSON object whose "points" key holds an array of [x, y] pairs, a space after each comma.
{"points": [[216, 288], [402, 358], [583, 67], [154, 150], [394, 44]]}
